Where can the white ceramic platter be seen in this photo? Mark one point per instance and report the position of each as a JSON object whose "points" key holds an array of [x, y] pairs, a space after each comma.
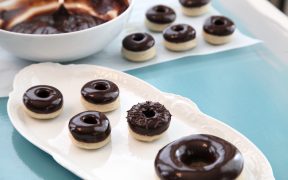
{"points": [[124, 157]]}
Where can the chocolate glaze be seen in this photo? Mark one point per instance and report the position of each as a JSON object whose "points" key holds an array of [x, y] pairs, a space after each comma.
{"points": [[61, 20], [138, 42], [90, 127], [100, 91], [219, 26], [194, 3], [201, 157], [161, 14], [148, 118], [179, 33], [43, 99]]}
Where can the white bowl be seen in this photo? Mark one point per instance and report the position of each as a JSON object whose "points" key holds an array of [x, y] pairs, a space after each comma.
{"points": [[66, 46]]}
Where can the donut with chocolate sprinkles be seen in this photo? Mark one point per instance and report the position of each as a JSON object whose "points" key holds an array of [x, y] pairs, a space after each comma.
{"points": [[147, 121]]}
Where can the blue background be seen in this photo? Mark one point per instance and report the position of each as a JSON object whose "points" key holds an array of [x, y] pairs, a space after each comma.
{"points": [[245, 88]]}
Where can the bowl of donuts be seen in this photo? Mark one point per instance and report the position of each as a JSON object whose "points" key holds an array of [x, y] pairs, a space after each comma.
{"points": [[60, 30]]}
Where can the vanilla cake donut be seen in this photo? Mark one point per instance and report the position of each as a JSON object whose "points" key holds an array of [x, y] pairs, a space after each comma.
{"points": [[180, 37], [195, 7], [43, 102], [100, 95], [138, 47], [159, 17], [90, 130], [200, 157], [148, 121], [218, 30]]}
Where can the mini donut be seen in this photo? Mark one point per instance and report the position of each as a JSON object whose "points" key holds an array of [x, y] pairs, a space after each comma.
{"points": [[138, 47], [148, 121], [218, 30], [180, 37], [159, 17], [195, 7], [43, 102], [100, 95], [201, 157], [90, 130]]}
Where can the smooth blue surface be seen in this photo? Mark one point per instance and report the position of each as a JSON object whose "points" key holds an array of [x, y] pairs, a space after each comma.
{"points": [[245, 88]]}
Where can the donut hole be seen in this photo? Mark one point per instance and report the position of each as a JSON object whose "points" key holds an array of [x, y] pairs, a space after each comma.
{"points": [[219, 22], [101, 86], [42, 93], [178, 28], [89, 119], [138, 37], [160, 9], [149, 113], [197, 156]]}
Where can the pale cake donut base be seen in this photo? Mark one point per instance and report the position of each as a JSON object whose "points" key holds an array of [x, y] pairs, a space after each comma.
{"points": [[101, 107], [156, 27], [242, 176], [217, 40], [43, 116], [140, 137], [196, 11], [139, 56], [90, 146], [180, 46]]}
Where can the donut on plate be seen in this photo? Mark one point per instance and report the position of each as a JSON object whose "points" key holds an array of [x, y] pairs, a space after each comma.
{"points": [[90, 130], [218, 30], [148, 121], [201, 157], [43, 102], [100, 95], [180, 37], [159, 17], [195, 7], [138, 47]]}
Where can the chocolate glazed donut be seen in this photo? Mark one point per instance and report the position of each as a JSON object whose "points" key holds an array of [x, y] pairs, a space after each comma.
{"points": [[194, 3], [219, 26], [179, 33], [90, 127], [138, 42], [148, 118], [201, 157], [43, 99], [100, 91], [161, 14]]}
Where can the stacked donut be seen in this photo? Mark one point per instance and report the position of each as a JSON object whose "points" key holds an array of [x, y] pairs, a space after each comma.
{"points": [[140, 46]]}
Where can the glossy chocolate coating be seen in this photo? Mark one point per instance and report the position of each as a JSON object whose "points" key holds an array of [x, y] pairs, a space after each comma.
{"points": [[148, 118], [61, 20], [138, 42], [161, 14], [43, 99], [201, 157], [194, 3], [90, 127], [219, 26], [179, 33], [100, 91]]}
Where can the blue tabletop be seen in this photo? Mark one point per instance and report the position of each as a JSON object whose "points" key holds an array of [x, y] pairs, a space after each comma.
{"points": [[245, 88]]}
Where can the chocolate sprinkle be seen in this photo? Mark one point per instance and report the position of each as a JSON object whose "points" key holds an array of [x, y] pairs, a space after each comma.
{"points": [[149, 118]]}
